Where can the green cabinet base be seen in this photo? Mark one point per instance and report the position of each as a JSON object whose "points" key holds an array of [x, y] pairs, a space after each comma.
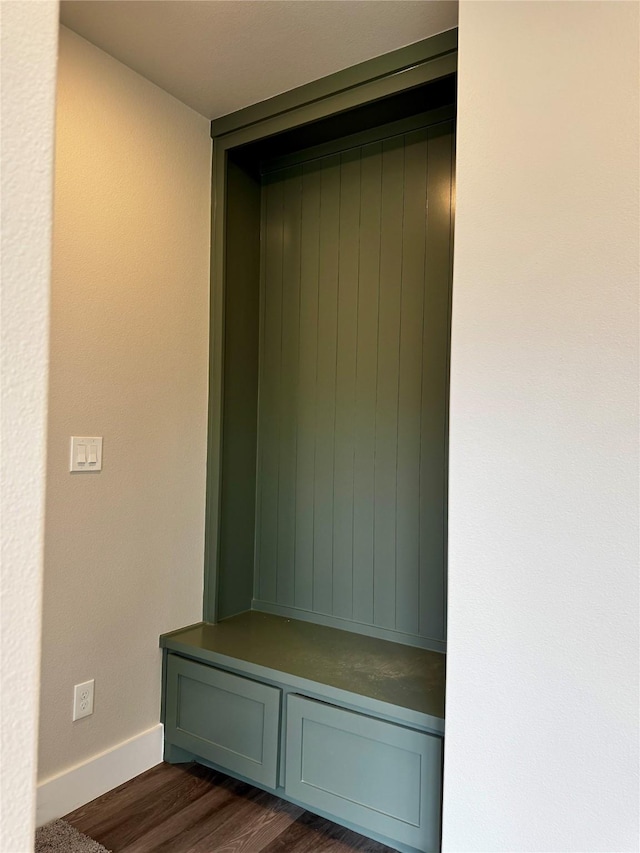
{"points": [[349, 727], [230, 720], [377, 776]]}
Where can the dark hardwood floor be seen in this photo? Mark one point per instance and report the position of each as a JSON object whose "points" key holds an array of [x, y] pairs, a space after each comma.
{"points": [[187, 808]]}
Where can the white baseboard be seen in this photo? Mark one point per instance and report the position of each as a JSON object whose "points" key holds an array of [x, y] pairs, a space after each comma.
{"points": [[78, 785]]}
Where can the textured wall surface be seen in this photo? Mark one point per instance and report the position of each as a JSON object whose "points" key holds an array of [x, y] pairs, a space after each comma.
{"points": [[129, 326], [542, 671], [29, 39]]}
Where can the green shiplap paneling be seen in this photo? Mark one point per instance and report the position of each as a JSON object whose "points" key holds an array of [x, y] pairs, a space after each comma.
{"points": [[433, 470], [386, 420], [366, 371], [410, 385], [306, 389], [291, 209], [326, 384], [344, 436], [356, 273]]}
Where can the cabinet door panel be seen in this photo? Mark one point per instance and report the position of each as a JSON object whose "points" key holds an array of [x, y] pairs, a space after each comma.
{"points": [[231, 721], [381, 776]]}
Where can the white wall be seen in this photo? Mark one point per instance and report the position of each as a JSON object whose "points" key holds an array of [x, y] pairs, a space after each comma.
{"points": [[29, 38], [129, 356], [542, 676]]}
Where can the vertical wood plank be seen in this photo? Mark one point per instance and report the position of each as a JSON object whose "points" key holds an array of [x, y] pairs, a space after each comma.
{"points": [[308, 349], [346, 384], [270, 391], [259, 451], [326, 384], [292, 200], [386, 422], [410, 379], [435, 383], [366, 372]]}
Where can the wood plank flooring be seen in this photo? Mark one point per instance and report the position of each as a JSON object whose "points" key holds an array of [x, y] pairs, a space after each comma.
{"points": [[188, 808]]}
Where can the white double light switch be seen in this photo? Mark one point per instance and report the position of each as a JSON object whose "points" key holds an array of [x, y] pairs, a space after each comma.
{"points": [[86, 453]]}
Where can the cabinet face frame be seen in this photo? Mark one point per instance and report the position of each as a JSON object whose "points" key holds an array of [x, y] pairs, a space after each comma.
{"points": [[400, 71]]}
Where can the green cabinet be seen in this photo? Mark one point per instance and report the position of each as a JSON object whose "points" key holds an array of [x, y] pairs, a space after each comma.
{"points": [[349, 727], [371, 772], [233, 722]]}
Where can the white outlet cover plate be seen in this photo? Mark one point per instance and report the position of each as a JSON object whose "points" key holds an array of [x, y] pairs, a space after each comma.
{"points": [[84, 450], [83, 699]]}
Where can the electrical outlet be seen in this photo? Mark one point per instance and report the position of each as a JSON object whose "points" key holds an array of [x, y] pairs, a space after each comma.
{"points": [[83, 699]]}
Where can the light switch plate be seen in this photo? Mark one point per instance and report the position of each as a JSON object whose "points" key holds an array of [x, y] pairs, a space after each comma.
{"points": [[86, 453]]}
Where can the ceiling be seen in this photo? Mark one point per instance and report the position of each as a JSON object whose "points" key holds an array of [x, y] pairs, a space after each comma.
{"points": [[220, 55]]}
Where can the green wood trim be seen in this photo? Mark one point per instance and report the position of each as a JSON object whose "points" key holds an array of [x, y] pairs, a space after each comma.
{"points": [[216, 349], [402, 81], [168, 635], [355, 140], [380, 66], [163, 697]]}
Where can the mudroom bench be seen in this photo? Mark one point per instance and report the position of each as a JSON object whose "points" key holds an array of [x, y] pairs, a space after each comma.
{"points": [[347, 725]]}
